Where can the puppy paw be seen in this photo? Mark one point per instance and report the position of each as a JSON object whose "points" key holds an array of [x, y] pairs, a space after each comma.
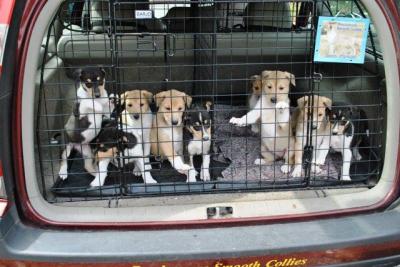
{"points": [[95, 182], [316, 169], [191, 177], [238, 121], [63, 173], [148, 179], [205, 175], [255, 128], [357, 156], [318, 161], [136, 171], [260, 161], [281, 106], [297, 171], [285, 168], [63, 176], [183, 169], [345, 178]]}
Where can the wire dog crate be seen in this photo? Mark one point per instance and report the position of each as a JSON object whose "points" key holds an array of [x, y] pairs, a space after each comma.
{"points": [[209, 50]]}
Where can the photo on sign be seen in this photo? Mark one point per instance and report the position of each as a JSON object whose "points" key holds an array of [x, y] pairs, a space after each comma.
{"points": [[341, 40]]}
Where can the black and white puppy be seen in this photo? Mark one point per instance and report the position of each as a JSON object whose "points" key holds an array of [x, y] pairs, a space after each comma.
{"points": [[108, 145], [85, 121], [348, 129], [197, 135]]}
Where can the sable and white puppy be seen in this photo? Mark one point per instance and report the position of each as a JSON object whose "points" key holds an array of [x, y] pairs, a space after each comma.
{"points": [[167, 130], [314, 108], [273, 108], [138, 115], [136, 118], [197, 136], [255, 94], [345, 121], [85, 121]]}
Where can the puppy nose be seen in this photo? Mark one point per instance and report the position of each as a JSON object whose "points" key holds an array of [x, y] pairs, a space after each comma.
{"points": [[97, 95], [334, 133], [174, 122], [314, 127], [206, 138], [136, 116], [273, 100]]}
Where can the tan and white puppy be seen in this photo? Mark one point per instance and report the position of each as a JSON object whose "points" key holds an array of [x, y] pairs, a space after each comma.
{"points": [[138, 117], [273, 109], [255, 94], [320, 129], [167, 130]]}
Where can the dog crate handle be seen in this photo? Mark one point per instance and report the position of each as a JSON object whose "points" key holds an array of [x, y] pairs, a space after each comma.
{"points": [[171, 45]]}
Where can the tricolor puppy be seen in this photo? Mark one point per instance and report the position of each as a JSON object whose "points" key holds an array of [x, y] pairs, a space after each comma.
{"points": [[85, 121], [273, 109], [255, 94], [108, 145], [312, 112], [167, 130], [136, 125], [345, 122], [197, 136]]}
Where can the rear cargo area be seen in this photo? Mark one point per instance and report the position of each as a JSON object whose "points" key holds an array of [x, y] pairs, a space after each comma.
{"points": [[209, 51]]}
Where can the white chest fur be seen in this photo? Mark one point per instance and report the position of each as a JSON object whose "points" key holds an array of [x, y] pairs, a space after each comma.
{"points": [[176, 134], [272, 118], [199, 147]]}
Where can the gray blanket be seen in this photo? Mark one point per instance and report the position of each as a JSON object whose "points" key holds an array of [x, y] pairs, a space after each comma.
{"points": [[242, 146]]}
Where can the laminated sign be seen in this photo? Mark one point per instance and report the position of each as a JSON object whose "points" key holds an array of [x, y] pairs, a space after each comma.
{"points": [[143, 14], [341, 40]]}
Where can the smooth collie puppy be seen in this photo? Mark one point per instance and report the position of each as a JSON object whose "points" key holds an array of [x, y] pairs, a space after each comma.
{"points": [[348, 130], [273, 109], [134, 128], [85, 121], [167, 130], [197, 136], [255, 94], [319, 106]]}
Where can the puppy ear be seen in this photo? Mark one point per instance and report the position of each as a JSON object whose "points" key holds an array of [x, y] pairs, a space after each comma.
{"points": [[77, 74], [208, 105], [255, 78], [302, 102], [291, 78], [148, 96], [327, 102], [266, 74], [122, 98], [328, 112], [158, 98], [188, 100]]}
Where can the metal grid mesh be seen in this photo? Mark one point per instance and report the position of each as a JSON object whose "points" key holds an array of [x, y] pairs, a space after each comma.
{"points": [[209, 51]]}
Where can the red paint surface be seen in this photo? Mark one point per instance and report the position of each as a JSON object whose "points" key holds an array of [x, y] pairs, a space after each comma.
{"points": [[6, 8], [314, 258], [30, 15]]}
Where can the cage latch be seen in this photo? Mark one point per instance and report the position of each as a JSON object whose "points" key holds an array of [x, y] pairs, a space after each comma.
{"points": [[307, 156], [171, 44], [317, 77]]}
